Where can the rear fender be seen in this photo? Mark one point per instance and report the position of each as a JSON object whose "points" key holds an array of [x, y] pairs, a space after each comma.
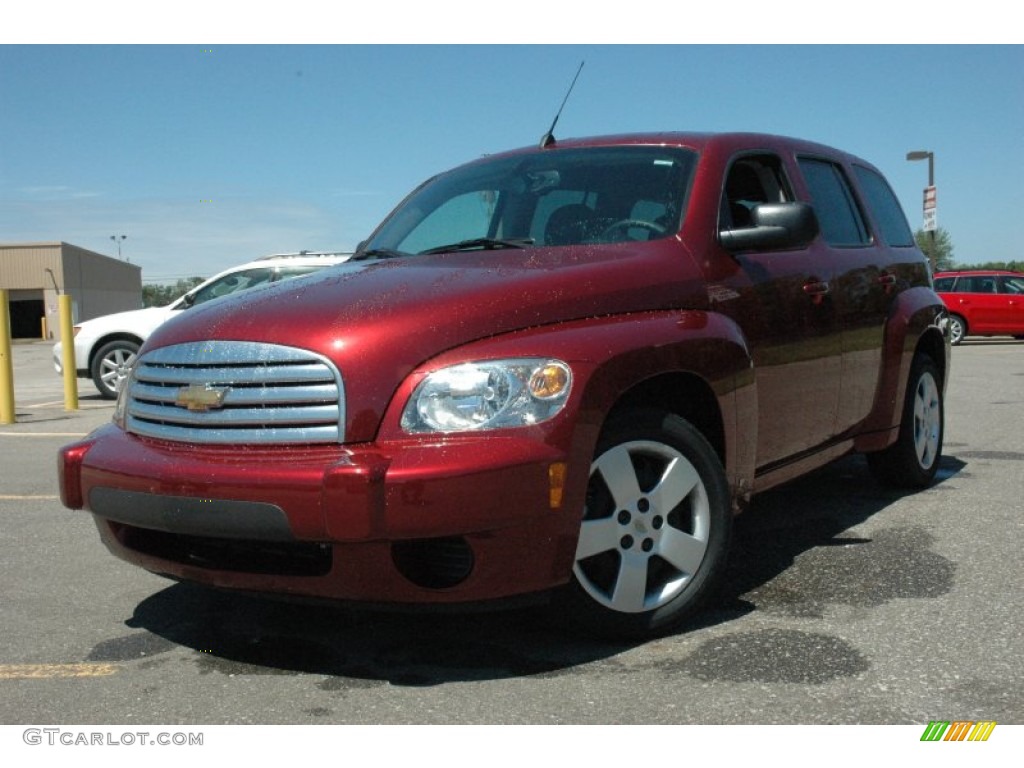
{"points": [[917, 321]]}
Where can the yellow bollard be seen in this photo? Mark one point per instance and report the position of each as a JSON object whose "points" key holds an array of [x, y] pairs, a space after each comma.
{"points": [[6, 363], [67, 338]]}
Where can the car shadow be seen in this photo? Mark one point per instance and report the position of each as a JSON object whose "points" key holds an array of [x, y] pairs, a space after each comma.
{"points": [[239, 634], [49, 409], [814, 513]]}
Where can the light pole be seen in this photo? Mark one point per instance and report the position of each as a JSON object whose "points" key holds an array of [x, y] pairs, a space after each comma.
{"points": [[119, 239], [930, 157]]}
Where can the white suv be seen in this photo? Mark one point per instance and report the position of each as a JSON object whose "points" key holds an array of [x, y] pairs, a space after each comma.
{"points": [[105, 346]]}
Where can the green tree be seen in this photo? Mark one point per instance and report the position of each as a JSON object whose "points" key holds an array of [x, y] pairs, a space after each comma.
{"points": [[159, 295], [1013, 266], [943, 257]]}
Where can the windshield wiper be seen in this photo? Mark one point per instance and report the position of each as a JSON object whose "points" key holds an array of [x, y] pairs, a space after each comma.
{"points": [[485, 243], [379, 253]]}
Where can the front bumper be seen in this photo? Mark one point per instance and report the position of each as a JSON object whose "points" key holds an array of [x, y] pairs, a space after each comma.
{"points": [[81, 354], [418, 520]]}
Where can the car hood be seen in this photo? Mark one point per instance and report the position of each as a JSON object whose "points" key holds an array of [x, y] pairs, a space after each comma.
{"points": [[379, 320], [139, 322]]}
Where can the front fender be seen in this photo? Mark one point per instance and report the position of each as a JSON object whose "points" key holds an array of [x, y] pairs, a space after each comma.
{"points": [[613, 356]]}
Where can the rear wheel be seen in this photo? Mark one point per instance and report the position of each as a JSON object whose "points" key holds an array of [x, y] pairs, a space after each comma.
{"points": [[655, 530], [111, 365], [913, 460], [957, 329]]}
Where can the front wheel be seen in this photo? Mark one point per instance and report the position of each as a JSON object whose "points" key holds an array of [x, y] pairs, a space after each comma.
{"points": [[111, 366], [655, 530], [913, 460]]}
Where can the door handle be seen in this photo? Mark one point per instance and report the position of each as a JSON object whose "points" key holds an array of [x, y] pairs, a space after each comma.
{"points": [[816, 287]]}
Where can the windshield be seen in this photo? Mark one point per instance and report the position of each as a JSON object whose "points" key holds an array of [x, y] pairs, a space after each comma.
{"points": [[552, 198], [243, 280]]}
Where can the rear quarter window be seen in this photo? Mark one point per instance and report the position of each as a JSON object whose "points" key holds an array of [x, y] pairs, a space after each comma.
{"points": [[885, 208], [1013, 285]]}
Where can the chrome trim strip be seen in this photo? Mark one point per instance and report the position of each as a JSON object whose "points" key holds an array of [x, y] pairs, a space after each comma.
{"points": [[305, 393], [221, 376], [229, 352], [313, 414], [250, 374], [235, 435], [275, 394]]}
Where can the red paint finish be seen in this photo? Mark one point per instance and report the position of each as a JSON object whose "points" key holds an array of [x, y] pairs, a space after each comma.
{"points": [[986, 302], [783, 356]]}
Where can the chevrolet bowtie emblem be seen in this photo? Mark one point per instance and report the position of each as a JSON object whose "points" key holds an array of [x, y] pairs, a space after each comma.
{"points": [[201, 397]]}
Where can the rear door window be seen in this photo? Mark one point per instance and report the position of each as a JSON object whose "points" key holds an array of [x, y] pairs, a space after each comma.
{"points": [[841, 222], [976, 284]]}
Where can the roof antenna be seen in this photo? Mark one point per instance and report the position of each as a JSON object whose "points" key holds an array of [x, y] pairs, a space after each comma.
{"points": [[549, 138]]}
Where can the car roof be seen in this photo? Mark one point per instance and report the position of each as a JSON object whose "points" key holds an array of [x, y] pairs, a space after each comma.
{"points": [[957, 272], [728, 142], [332, 255], [300, 258]]}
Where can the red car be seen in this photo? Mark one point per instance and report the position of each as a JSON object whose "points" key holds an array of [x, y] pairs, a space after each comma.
{"points": [[557, 371], [983, 302]]}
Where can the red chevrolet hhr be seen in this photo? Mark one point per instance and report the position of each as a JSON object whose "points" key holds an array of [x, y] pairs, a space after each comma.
{"points": [[557, 371]]}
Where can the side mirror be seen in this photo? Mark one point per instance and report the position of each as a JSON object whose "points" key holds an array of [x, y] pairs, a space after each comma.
{"points": [[188, 300], [775, 226]]}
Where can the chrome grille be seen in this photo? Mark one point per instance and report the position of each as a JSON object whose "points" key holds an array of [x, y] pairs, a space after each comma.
{"points": [[236, 392]]}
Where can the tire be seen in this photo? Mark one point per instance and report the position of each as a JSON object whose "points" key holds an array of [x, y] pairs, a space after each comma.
{"points": [[913, 460], [655, 530], [111, 364], [957, 329]]}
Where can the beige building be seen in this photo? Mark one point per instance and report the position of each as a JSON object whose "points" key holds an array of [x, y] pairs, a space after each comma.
{"points": [[33, 274]]}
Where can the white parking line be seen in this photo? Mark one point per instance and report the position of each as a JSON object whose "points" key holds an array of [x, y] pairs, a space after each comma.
{"points": [[54, 403]]}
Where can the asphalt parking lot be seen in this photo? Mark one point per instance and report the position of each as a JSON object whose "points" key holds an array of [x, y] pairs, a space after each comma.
{"points": [[846, 603]]}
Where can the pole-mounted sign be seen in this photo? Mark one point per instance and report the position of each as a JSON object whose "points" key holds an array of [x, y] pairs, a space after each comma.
{"points": [[930, 220]]}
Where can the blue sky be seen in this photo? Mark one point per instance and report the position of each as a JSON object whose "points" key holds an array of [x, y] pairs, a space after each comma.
{"points": [[207, 155]]}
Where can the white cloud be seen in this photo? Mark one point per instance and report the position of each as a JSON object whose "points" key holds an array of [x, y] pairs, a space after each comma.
{"points": [[56, 192]]}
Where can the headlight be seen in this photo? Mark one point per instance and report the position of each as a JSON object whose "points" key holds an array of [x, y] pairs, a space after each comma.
{"points": [[488, 394]]}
